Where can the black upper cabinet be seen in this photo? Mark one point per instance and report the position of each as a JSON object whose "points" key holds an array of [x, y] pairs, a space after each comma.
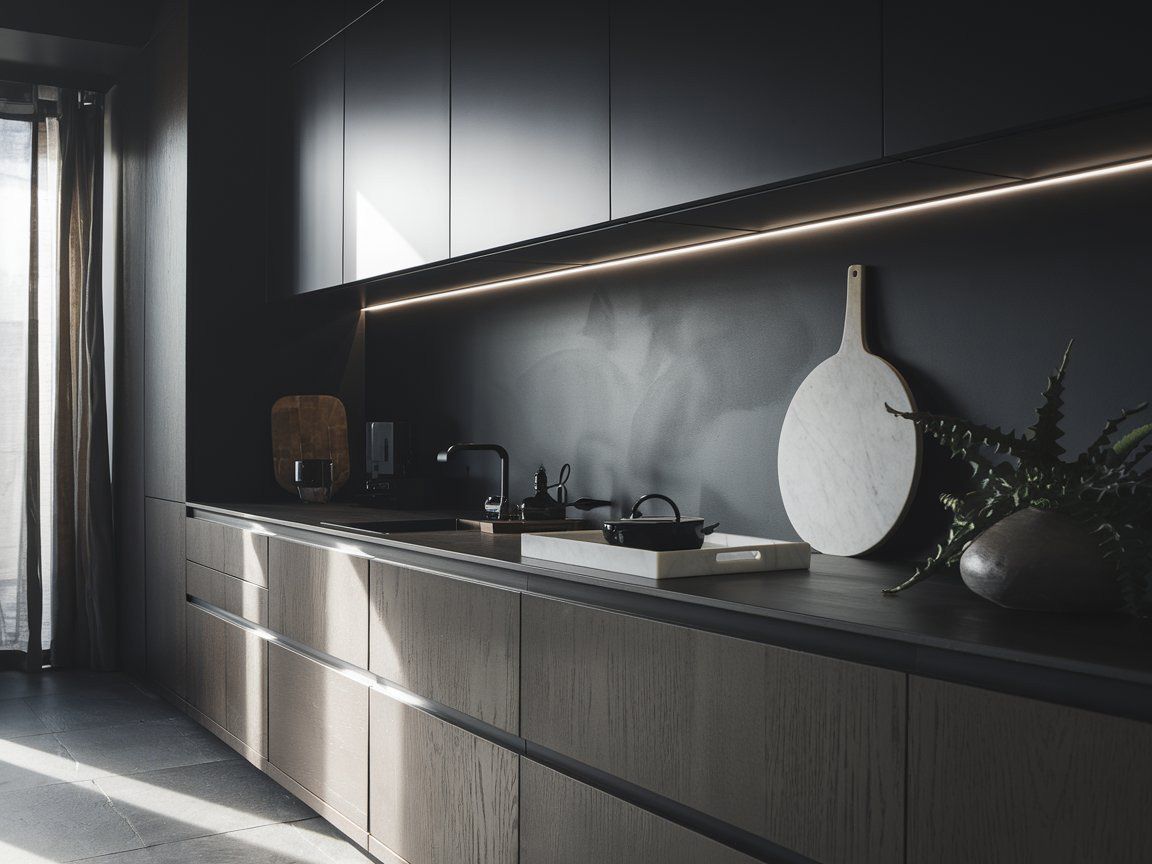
{"points": [[530, 146], [396, 139], [711, 98], [316, 170], [953, 73]]}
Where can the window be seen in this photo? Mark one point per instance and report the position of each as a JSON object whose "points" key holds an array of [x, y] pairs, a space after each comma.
{"points": [[29, 173]]}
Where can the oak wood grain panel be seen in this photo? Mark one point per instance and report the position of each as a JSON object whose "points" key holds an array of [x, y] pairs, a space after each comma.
{"points": [[758, 736], [206, 584], [563, 821], [318, 731], [245, 555], [246, 697], [452, 641], [320, 598], [206, 543], [207, 662], [997, 778], [440, 794], [246, 600], [165, 598], [228, 593]]}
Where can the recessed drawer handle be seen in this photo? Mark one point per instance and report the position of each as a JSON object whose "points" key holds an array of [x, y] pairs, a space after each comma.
{"points": [[743, 555]]}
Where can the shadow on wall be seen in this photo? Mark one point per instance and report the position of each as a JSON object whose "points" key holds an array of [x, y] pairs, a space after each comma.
{"points": [[675, 376]]}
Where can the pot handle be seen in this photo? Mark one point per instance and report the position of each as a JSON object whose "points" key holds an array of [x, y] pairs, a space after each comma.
{"points": [[636, 507]]}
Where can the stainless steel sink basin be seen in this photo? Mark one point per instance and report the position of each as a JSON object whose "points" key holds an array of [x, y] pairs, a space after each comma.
{"points": [[398, 526]]}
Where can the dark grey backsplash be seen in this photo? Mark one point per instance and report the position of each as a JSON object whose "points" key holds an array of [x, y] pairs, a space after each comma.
{"points": [[675, 376]]}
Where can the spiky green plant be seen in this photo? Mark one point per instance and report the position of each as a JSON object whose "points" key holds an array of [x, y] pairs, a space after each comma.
{"points": [[1103, 488]]}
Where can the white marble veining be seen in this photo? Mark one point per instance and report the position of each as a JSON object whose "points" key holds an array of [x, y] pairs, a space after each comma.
{"points": [[848, 468], [721, 553]]}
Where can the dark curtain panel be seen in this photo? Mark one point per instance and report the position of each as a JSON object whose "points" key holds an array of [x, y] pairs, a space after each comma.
{"points": [[84, 579]]}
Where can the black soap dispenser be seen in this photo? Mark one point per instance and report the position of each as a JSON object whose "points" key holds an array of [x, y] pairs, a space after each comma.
{"points": [[541, 505]]}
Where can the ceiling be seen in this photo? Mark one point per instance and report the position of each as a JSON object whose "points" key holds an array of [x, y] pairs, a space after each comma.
{"points": [[75, 43]]}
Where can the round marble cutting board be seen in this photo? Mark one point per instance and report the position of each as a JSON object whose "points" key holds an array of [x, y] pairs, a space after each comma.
{"points": [[848, 468]]}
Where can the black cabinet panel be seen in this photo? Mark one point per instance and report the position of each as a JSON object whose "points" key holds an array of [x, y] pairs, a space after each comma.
{"points": [[316, 170], [530, 113], [952, 73], [713, 98], [396, 139]]}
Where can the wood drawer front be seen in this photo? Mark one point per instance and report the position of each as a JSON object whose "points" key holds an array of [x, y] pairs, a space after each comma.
{"points": [[246, 693], [998, 778], [207, 663], [806, 751], [440, 794], [318, 731], [228, 593], [563, 821], [319, 598], [452, 641], [205, 543], [245, 555]]}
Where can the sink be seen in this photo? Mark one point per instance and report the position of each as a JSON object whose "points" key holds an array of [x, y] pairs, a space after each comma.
{"points": [[397, 526]]}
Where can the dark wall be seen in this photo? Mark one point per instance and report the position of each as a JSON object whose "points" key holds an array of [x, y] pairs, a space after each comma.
{"points": [[675, 376]]}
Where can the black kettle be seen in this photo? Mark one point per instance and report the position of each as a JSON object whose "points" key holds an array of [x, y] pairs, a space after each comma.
{"points": [[658, 533]]}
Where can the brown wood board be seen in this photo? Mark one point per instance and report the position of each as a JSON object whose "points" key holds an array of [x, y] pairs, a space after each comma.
{"points": [[309, 427]]}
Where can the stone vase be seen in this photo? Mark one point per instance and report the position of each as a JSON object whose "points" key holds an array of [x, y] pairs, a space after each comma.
{"points": [[1040, 561]]}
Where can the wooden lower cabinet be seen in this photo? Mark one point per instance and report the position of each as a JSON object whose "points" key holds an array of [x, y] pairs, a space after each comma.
{"points": [[319, 597], [246, 694], [227, 682], [452, 641], [440, 795], [564, 821], [803, 750], [205, 542], [207, 663], [318, 731], [246, 555], [1001, 779], [228, 549]]}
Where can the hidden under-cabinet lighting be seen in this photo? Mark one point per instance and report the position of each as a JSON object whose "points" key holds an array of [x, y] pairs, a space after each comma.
{"points": [[1011, 188]]}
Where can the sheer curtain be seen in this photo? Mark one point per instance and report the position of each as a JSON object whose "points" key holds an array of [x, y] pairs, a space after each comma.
{"points": [[55, 503]]}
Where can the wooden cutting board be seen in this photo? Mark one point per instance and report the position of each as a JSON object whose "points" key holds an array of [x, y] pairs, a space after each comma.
{"points": [[309, 427], [848, 469]]}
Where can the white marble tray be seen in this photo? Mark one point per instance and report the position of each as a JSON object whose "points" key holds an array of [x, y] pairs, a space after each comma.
{"points": [[722, 553]]}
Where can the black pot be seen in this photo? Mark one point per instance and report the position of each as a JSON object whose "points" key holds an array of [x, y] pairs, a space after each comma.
{"points": [[658, 534]]}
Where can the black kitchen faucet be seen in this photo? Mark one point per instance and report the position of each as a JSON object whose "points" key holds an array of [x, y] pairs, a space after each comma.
{"points": [[494, 508]]}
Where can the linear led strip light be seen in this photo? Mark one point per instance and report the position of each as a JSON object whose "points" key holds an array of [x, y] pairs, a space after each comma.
{"points": [[773, 233]]}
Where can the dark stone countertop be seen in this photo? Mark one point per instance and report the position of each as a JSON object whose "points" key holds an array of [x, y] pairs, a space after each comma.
{"points": [[939, 628]]}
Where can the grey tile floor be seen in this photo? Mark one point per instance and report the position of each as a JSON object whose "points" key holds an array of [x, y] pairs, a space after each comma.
{"points": [[94, 768]]}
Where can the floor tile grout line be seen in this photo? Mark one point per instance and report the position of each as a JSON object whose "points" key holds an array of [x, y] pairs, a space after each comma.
{"points": [[109, 774], [108, 855]]}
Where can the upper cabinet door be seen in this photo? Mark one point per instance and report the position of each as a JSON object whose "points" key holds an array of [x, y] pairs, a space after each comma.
{"points": [[529, 120], [713, 98], [953, 73], [396, 138], [316, 170]]}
